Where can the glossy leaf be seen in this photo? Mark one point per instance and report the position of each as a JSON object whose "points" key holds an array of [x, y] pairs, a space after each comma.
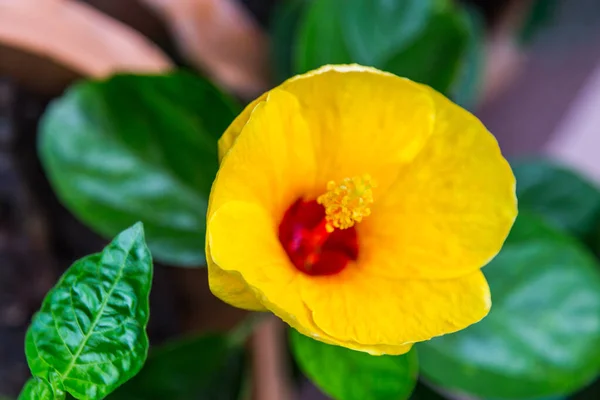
{"points": [[436, 55], [319, 38], [138, 148], [375, 30], [207, 367], [541, 336], [424, 40], [37, 389], [351, 375], [564, 198], [90, 335]]}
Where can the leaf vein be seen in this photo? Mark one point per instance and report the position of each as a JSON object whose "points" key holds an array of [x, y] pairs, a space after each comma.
{"points": [[98, 316]]}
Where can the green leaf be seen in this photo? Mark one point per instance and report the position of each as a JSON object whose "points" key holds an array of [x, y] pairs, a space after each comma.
{"points": [[466, 87], [351, 375], [564, 198], [541, 336], [424, 40], [138, 148], [319, 38], [90, 334], [376, 29], [206, 367], [37, 389], [285, 22], [435, 56]]}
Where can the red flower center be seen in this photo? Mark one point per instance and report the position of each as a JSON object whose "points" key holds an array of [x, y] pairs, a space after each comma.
{"points": [[310, 246]]}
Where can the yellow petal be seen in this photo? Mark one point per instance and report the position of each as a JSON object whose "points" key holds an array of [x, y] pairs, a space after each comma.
{"points": [[351, 309], [361, 308], [256, 173], [230, 287], [449, 211], [363, 121], [272, 162], [232, 132]]}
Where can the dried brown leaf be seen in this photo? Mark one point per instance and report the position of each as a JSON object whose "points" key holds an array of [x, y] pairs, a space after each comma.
{"points": [[222, 39], [73, 35]]}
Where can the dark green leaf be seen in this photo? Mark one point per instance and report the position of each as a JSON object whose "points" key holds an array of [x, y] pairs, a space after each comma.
{"points": [[435, 56], [285, 23], [37, 389], [90, 334], [351, 375], [564, 198], [319, 39], [138, 148], [467, 85], [424, 40], [374, 30], [208, 367], [541, 336]]}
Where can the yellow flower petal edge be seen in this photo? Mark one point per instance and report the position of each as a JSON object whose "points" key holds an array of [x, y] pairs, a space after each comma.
{"points": [[358, 207], [353, 310]]}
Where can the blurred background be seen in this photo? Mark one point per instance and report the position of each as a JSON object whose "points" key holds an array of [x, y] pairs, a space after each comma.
{"points": [[530, 71]]}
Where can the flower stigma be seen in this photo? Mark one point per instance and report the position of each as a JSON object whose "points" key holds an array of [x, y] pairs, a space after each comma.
{"points": [[319, 236], [348, 202]]}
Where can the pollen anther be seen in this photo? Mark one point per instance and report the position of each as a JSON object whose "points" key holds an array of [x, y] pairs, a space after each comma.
{"points": [[348, 202]]}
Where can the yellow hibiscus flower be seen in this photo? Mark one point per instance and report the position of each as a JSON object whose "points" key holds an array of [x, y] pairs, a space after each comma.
{"points": [[358, 207]]}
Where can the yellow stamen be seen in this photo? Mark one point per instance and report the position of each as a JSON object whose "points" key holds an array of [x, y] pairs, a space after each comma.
{"points": [[348, 202]]}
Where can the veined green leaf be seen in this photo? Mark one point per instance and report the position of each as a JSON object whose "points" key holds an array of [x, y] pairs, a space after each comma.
{"points": [[138, 148], [541, 336], [38, 389], [89, 337]]}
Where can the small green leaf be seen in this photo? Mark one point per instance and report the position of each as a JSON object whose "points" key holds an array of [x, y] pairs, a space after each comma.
{"points": [[206, 367], [90, 334], [377, 29], [351, 375], [541, 336], [435, 56], [564, 198], [37, 389], [138, 148]]}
